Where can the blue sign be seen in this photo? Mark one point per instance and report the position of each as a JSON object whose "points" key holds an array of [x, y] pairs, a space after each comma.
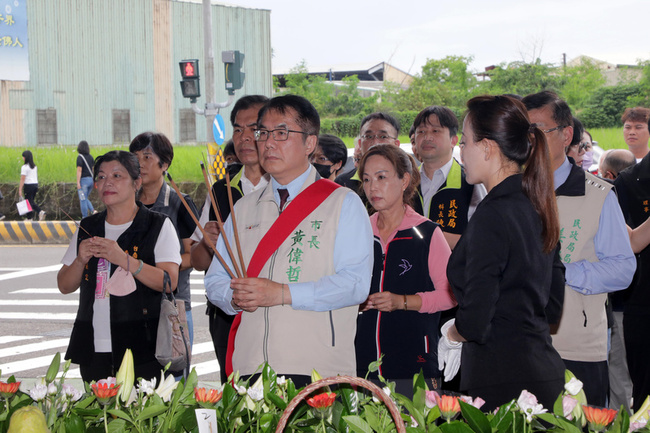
{"points": [[219, 129], [14, 50]]}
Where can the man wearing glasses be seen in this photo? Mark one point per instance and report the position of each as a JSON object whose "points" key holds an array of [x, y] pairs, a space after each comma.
{"points": [[376, 128], [444, 196], [244, 179], [595, 250], [299, 312]]}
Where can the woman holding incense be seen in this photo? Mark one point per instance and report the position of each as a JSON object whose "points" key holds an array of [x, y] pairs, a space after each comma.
{"points": [[155, 154], [118, 259], [505, 271], [409, 285]]}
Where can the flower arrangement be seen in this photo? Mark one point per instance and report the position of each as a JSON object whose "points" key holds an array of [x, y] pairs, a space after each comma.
{"points": [[121, 404]]}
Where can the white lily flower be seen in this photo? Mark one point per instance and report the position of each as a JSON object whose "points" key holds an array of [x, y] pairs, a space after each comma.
{"points": [[256, 394], [386, 391], [241, 390], [528, 405], [281, 381], [573, 386], [166, 387], [148, 387], [51, 389]]}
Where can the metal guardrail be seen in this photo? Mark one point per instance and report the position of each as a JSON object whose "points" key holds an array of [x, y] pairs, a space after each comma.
{"points": [[36, 232]]}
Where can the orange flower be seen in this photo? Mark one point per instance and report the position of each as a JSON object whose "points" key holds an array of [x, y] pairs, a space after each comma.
{"points": [[322, 401], [105, 390], [207, 396], [599, 419], [448, 405], [8, 389]]}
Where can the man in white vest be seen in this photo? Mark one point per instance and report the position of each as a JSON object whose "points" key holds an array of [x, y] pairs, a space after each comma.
{"points": [[307, 246], [595, 249]]}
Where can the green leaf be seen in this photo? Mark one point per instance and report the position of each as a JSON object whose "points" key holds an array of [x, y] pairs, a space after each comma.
{"points": [[74, 424], [116, 426], [560, 422], [621, 424], [276, 401], [476, 419], [357, 424], [408, 404], [349, 399], [53, 370], [455, 427], [121, 414], [151, 412], [187, 396]]}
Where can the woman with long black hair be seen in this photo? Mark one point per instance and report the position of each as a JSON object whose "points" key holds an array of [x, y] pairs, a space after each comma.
{"points": [[29, 184], [505, 271]]}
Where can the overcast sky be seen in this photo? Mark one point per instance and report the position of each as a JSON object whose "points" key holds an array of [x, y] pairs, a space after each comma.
{"points": [[408, 32]]}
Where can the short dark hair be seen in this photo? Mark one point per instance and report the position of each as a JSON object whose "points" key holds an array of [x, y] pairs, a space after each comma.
{"points": [[159, 143], [379, 115], [229, 148], [636, 114], [246, 102], [333, 148], [616, 162], [578, 129], [307, 116], [411, 131], [128, 160], [83, 147], [561, 113], [445, 116]]}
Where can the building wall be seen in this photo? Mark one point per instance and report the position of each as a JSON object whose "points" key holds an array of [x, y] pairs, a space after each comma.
{"points": [[90, 57]]}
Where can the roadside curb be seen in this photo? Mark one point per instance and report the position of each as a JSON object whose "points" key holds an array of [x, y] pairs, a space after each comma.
{"points": [[36, 232]]}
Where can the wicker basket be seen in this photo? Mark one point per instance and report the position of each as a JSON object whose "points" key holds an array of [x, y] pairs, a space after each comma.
{"points": [[376, 391]]}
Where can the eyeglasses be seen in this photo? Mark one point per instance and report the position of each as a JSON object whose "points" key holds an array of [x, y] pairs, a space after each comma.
{"points": [[369, 137], [280, 134], [546, 131]]}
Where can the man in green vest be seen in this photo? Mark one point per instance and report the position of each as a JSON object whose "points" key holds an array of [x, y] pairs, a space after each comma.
{"points": [[444, 196]]}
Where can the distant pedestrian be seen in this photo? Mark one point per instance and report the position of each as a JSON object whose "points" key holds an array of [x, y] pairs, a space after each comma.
{"points": [[85, 178], [29, 182]]}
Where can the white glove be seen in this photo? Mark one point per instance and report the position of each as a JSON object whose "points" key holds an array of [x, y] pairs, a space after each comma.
{"points": [[449, 352]]}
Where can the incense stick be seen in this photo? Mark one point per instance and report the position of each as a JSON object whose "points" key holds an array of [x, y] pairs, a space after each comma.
{"points": [[198, 224], [234, 224], [76, 223], [233, 258]]}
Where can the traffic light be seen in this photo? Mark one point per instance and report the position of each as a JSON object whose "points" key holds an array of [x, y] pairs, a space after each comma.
{"points": [[233, 61], [190, 84]]}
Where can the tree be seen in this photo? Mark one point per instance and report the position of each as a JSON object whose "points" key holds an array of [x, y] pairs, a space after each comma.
{"points": [[580, 82], [521, 78], [606, 105]]}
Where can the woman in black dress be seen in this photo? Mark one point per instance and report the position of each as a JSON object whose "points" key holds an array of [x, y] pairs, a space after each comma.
{"points": [[505, 272]]}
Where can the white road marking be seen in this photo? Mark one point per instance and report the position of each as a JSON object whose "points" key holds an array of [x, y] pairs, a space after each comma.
{"points": [[28, 364], [39, 316], [11, 338], [34, 347], [55, 291], [39, 302], [30, 272]]}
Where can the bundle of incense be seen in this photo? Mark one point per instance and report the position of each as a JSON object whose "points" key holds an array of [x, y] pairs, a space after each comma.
{"points": [[76, 223], [234, 223], [198, 224], [220, 223]]}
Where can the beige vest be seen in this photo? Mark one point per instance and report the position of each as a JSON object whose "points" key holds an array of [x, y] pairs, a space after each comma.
{"points": [[294, 341], [582, 334]]}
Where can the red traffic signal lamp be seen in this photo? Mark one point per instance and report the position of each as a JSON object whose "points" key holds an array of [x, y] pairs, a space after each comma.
{"points": [[190, 83]]}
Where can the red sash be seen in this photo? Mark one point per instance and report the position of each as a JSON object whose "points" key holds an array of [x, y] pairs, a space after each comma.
{"points": [[296, 211]]}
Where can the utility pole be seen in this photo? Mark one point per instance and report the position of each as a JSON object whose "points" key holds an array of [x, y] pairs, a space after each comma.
{"points": [[209, 64]]}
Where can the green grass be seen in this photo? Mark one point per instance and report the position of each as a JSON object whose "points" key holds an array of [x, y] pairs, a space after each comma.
{"points": [[58, 163]]}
